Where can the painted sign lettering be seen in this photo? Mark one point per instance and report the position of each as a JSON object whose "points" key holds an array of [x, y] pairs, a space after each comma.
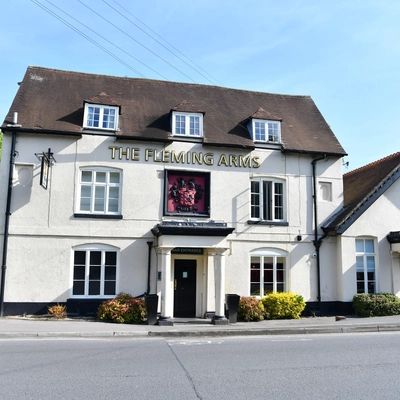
{"points": [[184, 157]]}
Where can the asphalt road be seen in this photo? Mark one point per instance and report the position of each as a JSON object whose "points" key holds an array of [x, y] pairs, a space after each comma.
{"points": [[333, 366]]}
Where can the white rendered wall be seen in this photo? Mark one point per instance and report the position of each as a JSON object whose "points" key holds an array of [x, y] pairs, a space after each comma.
{"points": [[43, 229], [376, 222]]}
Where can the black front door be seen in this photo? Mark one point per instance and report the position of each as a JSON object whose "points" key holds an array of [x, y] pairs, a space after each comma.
{"points": [[185, 288]]}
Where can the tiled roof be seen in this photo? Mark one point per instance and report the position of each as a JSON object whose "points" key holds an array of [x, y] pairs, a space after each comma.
{"points": [[52, 101], [362, 187]]}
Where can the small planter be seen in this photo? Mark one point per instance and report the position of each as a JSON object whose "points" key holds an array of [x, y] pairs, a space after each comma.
{"points": [[151, 301], [232, 306]]}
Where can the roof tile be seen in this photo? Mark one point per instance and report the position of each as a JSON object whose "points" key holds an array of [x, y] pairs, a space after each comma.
{"points": [[359, 185], [53, 100]]}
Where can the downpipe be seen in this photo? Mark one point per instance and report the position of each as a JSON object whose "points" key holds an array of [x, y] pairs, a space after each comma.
{"points": [[150, 245], [7, 224], [317, 242]]}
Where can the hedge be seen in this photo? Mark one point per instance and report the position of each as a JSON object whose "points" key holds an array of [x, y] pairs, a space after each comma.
{"points": [[376, 304]]}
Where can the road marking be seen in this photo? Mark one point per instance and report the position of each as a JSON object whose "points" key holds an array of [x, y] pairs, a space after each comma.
{"points": [[193, 342], [291, 340]]}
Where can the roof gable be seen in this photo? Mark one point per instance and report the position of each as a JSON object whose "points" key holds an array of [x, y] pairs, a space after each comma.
{"points": [[188, 107], [103, 99], [362, 187], [263, 114], [50, 100]]}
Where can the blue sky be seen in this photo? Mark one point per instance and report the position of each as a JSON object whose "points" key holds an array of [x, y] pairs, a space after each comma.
{"points": [[345, 54]]}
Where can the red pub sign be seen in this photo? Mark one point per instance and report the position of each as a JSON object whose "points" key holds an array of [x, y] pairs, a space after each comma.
{"points": [[187, 193]]}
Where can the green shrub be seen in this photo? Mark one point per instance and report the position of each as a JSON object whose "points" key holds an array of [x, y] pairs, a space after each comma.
{"points": [[283, 306], [250, 309], [376, 304], [124, 309]]}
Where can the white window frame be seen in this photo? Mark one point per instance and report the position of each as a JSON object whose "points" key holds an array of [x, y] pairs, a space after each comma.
{"points": [[101, 110], [108, 186], [366, 264], [265, 255], [266, 131], [102, 279], [184, 120], [271, 204]]}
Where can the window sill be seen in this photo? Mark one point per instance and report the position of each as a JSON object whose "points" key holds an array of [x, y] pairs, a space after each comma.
{"points": [[271, 223], [186, 215], [186, 138], [98, 216], [90, 298], [100, 131], [267, 145]]}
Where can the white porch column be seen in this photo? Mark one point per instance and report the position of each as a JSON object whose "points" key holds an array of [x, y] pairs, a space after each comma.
{"points": [[219, 277], [166, 288]]}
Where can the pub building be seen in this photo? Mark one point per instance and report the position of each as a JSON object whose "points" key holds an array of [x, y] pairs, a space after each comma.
{"points": [[187, 191]]}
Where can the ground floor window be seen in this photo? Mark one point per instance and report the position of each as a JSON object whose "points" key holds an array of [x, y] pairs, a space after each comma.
{"points": [[95, 272], [365, 266], [267, 273]]}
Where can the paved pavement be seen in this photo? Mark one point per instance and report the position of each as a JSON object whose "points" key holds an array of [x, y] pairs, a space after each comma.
{"points": [[27, 327]]}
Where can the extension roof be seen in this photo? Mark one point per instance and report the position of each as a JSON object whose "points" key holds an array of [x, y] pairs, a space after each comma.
{"points": [[361, 188], [52, 101]]}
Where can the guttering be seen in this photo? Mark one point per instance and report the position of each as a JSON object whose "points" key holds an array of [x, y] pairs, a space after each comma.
{"points": [[7, 223], [143, 138], [230, 145], [150, 244], [313, 152], [317, 242], [15, 128]]}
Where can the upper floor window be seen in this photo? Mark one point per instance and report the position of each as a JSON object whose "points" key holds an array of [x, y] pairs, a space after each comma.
{"points": [[95, 271], [100, 191], [266, 131], [267, 199], [187, 124], [365, 266], [101, 117]]}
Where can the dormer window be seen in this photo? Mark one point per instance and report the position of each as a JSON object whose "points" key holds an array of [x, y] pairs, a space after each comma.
{"points": [[265, 127], [101, 117], [187, 124], [266, 131]]}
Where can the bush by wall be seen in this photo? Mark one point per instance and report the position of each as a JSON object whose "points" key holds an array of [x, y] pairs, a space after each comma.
{"points": [[250, 309], [376, 304], [123, 309], [58, 311], [283, 306]]}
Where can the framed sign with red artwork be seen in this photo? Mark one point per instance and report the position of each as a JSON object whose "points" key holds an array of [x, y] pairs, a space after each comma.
{"points": [[187, 193]]}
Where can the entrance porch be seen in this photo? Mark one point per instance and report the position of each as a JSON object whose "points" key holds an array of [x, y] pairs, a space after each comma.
{"points": [[191, 272]]}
